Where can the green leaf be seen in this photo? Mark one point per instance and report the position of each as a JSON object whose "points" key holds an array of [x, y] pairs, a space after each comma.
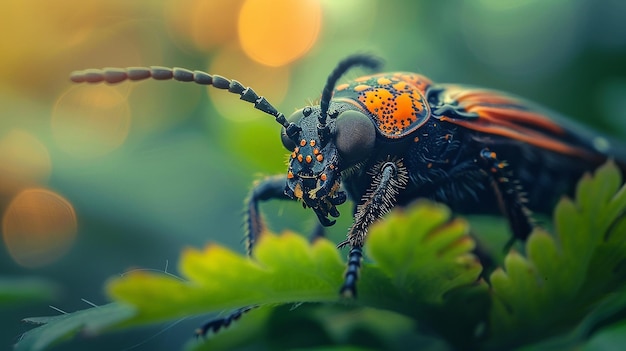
{"points": [[57, 328], [422, 267], [565, 291], [562, 278]]}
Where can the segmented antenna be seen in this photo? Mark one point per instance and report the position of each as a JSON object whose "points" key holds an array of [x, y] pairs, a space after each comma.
{"points": [[343, 66], [117, 75]]}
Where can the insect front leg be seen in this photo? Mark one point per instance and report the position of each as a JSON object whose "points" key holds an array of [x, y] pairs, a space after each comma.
{"points": [[388, 179], [509, 194], [266, 189]]}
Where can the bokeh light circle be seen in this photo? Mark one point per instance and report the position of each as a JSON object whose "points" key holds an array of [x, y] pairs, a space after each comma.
{"points": [[204, 24], [276, 32], [38, 227], [90, 121], [24, 161]]}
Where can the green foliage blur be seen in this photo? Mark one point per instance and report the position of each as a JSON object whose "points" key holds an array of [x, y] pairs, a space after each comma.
{"points": [[182, 171]]}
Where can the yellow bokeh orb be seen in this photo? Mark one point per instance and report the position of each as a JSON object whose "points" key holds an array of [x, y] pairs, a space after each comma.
{"points": [[277, 32]]}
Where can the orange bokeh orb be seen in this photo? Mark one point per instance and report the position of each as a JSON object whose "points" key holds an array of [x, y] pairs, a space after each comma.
{"points": [[277, 32], [38, 227]]}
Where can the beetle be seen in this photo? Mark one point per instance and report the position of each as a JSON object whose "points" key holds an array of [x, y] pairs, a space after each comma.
{"points": [[386, 139]]}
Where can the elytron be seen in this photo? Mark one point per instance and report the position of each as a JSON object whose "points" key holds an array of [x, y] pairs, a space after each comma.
{"points": [[387, 139]]}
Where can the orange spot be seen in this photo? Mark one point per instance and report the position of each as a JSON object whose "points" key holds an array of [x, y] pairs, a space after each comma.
{"points": [[418, 81], [323, 177], [289, 175], [361, 87], [297, 149], [416, 139], [316, 151], [312, 142], [297, 191], [308, 159], [277, 32], [320, 158], [39, 227], [363, 79], [395, 111], [404, 105], [300, 158], [383, 81], [294, 155], [302, 142], [430, 165], [341, 87], [400, 86]]}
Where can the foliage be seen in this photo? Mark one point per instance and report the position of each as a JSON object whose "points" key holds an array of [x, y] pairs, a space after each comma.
{"points": [[421, 285]]}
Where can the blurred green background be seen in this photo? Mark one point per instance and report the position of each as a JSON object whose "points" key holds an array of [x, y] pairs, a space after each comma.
{"points": [[96, 180]]}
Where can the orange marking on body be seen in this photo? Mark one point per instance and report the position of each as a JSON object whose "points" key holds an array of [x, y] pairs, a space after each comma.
{"points": [[401, 86], [308, 159], [361, 87], [300, 157], [363, 79], [476, 95], [316, 151], [302, 142], [517, 116], [383, 81], [341, 87], [289, 175], [294, 155], [320, 157], [323, 177], [404, 105], [418, 81], [525, 135], [429, 165], [312, 142], [297, 191]]}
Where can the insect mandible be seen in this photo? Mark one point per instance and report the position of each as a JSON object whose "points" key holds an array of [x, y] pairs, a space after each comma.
{"points": [[384, 140]]}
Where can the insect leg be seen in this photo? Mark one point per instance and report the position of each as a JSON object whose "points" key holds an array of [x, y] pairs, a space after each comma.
{"points": [[267, 189], [511, 199], [215, 325], [389, 178]]}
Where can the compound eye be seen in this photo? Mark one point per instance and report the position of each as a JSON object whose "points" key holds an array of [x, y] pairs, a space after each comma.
{"points": [[356, 136]]}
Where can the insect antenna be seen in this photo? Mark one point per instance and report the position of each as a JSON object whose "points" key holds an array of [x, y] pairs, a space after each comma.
{"points": [[117, 75], [343, 66]]}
